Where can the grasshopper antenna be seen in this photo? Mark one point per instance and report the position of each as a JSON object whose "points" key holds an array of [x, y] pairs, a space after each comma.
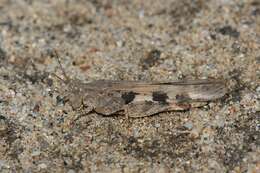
{"points": [[62, 69]]}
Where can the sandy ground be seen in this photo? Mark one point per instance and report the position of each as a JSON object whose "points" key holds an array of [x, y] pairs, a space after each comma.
{"points": [[128, 40]]}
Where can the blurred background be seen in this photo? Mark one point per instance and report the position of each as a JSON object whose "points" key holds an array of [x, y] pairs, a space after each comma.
{"points": [[128, 40]]}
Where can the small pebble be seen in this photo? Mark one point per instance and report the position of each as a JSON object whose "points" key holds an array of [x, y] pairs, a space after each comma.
{"points": [[3, 124], [188, 125], [258, 89], [71, 171], [157, 125], [2, 163], [36, 153], [42, 166]]}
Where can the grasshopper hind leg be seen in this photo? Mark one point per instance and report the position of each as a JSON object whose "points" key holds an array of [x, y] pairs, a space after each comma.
{"points": [[143, 109], [109, 104]]}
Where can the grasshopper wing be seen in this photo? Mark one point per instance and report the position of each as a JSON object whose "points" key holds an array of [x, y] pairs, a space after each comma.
{"points": [[168, 92]]}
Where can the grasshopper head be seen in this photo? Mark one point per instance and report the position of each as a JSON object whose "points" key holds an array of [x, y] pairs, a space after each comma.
{"points": [[72, 91]]}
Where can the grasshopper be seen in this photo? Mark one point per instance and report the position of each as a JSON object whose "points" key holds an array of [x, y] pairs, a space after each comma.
{"points": [[139, 98]]}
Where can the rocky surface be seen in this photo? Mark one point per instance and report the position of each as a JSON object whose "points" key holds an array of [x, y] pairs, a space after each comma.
{"points": [[128, 40]]}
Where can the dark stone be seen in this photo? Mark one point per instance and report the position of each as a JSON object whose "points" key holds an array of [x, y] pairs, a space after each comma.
{"points": [[49, 82], [2, 117], [213, 36], [160, 97], [256, 12], [151, 59], [128, 96], [258, 60], [60, 100], [255, 3], [228, 30], [36, 108], [2, 54]]}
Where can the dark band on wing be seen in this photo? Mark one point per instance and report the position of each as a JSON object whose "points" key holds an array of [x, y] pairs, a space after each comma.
{"points": [[128, 97], [160, 97]]}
